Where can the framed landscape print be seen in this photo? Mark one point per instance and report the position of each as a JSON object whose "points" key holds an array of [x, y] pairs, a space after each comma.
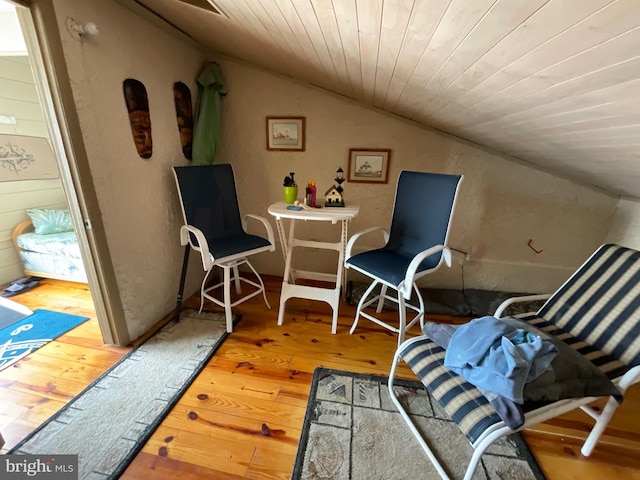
{"points": [[285, 133], [369, 165]]}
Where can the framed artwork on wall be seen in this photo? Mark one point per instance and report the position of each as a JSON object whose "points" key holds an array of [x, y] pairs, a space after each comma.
{"points": [[285, 133], [23, 157], [368, 165]]}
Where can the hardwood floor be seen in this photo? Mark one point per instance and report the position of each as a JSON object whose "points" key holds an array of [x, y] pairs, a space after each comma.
{"points": [[261, 376]]}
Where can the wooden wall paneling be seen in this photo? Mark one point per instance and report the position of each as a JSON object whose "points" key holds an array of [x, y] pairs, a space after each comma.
{"points": [[336, 74], [484, 103], [327, 22], [498, 22], [460, 18], [369, 14], [396, 15], [269, 16], [549, 21], [245, 22], [303, 58], [347, 30], [424, 20]]}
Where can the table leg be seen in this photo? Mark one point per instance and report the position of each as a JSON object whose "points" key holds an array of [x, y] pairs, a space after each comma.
{"points": [[344, 239], [283, 237], [289, 287], [287, 279]]}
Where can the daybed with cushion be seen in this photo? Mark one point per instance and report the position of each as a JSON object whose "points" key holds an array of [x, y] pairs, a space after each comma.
{"points": [[594, 318], [48, 246]]}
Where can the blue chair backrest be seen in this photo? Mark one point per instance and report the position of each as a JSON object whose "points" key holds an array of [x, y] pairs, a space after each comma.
{"points": [[209, 200], [422, 211]]}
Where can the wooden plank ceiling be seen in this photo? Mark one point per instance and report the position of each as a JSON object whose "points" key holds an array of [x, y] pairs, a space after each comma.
{"points": [[553, 82]]}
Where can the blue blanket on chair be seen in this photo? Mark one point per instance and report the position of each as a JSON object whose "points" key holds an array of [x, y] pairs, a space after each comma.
{"points": [[497, 357]]}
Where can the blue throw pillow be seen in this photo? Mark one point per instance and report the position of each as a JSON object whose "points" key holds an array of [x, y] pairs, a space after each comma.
{"points": [[46, 221]]}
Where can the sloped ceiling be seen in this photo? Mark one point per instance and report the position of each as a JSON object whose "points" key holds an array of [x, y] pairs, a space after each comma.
{"points": [[552, 82]]}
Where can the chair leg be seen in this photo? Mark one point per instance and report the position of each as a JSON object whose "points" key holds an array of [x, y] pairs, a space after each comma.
{"points": [[383, 294], [264, 293], [236, 276], [204, 282], [421, 305], [478, 450], [601, 423], [227, 298], [360, 304], [183, 276], [414, 430], [415, 308], [402, 318]]}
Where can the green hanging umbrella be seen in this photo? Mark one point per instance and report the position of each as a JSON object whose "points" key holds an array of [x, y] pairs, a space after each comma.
{"points": [[206, 131]]}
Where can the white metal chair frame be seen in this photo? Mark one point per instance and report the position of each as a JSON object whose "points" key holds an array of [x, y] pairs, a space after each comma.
{"points": [[228, 265], [405, 288], [533, 417]]}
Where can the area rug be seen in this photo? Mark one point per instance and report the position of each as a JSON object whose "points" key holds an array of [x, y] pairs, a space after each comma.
{"points": [[11, 312], [353, 431], [23, 337], [110, 421]]}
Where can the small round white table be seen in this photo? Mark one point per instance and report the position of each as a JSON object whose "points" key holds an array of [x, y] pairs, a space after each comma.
{"points": [[289, 288]]}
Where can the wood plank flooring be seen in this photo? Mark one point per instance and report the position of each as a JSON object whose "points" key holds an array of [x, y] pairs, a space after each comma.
{"points": [[243, 415]]}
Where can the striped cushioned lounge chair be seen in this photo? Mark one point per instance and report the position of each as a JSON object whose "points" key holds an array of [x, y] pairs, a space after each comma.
{"points": [[597, 312]]}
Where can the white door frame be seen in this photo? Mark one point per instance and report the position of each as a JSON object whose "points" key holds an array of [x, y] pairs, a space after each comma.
{"points": [[40, 31]]}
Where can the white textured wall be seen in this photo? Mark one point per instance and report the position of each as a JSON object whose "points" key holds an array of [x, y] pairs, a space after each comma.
{"points": [[626, 224], [502, 204], [137, 197]]}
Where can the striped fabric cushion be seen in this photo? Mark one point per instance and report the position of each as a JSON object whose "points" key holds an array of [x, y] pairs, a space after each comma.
{"points": [[600, 303], [462, 401], [610, 366]]}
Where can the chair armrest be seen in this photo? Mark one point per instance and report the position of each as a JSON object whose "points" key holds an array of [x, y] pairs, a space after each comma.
{"points": [[202, 247], [415, 263], [267, 226], [359, 234], [510, 301]]}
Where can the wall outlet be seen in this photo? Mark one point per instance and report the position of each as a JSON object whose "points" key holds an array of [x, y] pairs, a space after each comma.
{"points": [[461, 256]]}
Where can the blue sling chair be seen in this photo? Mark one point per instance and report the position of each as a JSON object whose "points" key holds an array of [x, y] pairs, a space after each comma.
{"points": [[214, 228], [415, 246], [594, 319]]}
